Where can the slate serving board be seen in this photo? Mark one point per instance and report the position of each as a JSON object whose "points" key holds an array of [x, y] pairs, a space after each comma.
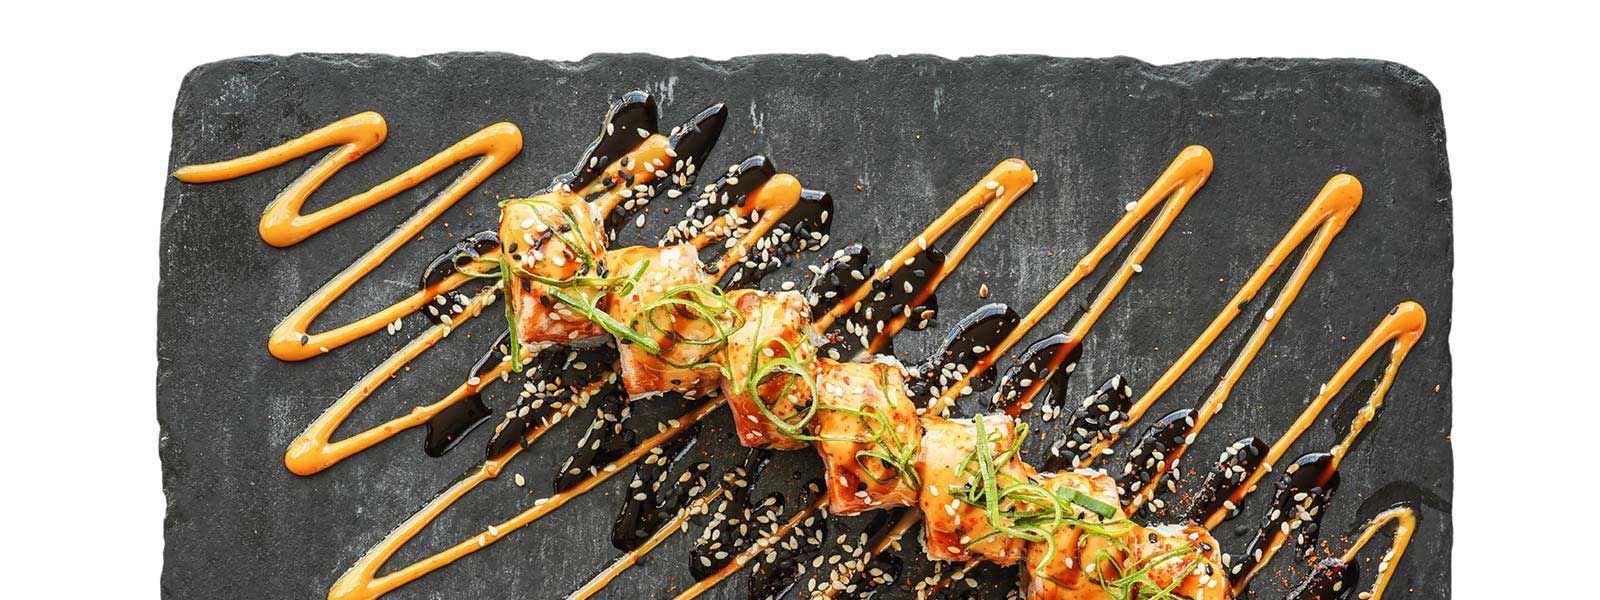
{"points": [[894, 140]]}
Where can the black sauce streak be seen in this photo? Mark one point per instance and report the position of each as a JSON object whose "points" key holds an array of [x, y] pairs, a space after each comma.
{"points": [[1099, 417], [720, 196], [1330, 579], [688, 144], [1156, 447], [960, 350], [885, 568], [1296, 510], [1041, 373], [443, 308], [733, 518], [779, 570], [653, 496], [606, 440], [619, 134], [837, 277], [1233, 466], [803, 228], [449, 426], [889, 297], [553, 379], [692, 143], [459, 255]]}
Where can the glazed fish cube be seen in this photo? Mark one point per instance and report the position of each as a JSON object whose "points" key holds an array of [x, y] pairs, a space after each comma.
{"points": [[1193, 560], [1068, 574], [952, 529], [559, 237], [682, 364], [884, 421], [776, 327]]}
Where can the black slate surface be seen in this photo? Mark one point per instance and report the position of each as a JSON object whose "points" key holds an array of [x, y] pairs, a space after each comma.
{"points": [[894, 140]]}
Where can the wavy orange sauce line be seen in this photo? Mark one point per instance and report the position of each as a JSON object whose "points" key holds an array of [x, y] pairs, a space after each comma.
{"points": [[313, 451], [1172, 191], [362, 579], [282, 224], [1405, 526]]}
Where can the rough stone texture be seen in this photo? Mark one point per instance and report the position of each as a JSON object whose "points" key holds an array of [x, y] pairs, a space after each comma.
{"points": [[894, 139]]}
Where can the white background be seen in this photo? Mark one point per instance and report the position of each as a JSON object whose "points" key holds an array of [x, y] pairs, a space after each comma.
{"points": [[88, 96]]}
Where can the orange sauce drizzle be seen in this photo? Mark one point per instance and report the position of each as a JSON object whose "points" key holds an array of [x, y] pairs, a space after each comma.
{"points": [[1000, 188], [1405, 526], [282, 224], [362, 580], [1400, 329], [1322, 221], [312, 451], [1172, 190], [1009, 180]]}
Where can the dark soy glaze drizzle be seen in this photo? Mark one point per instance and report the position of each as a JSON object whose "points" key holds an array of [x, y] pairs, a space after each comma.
{"points": [[1046, 366], [732, 187], [987, 580], [1098, 417], [1330, 579], [619, 135], [1302, 492], [553, 381], [737, 533], [733, 518], [460, 254], [447, 428], [803, 228], [883, 570], [779, 570], [1233, 467], [720, 196], [962, 348], [650, 500], [606, 440], [836, 277], [1155, 447], [690, 142], [887, 299]]}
